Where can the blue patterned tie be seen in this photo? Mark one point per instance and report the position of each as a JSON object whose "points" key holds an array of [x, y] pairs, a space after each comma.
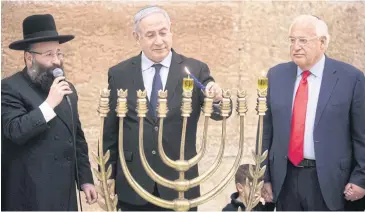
{"points": [[156, 86]]}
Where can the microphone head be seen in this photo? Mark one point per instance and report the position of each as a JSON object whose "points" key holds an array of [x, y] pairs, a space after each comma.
{"points": [[57, 72]]}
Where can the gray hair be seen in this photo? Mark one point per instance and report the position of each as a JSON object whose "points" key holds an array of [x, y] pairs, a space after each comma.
{"points": [[146, 12], [319, 24]]}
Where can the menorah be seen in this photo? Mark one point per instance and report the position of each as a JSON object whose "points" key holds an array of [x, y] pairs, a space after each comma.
{"points": [[252, 188]]}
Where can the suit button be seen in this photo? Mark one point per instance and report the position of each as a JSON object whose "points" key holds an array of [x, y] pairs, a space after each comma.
{"points": [[56, 137], [55, 157], [69, 158], [156, 128], [70, 140], [153, 152]]}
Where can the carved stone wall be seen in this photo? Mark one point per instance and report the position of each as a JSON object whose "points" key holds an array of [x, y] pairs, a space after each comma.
{"points": [[237, 39]]}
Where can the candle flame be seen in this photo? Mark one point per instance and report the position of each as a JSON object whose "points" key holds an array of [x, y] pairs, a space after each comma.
{"points": [[187, 71], [263, 73]]}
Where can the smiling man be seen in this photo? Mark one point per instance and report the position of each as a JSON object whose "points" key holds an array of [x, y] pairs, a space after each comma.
{"points": [[157, 67], [314, 128]]}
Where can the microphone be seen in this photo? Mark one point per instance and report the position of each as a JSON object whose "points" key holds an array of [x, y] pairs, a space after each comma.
{"points": [[57, 72]]}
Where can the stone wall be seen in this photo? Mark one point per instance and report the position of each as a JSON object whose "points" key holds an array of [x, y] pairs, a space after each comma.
{"points": [[237, 39]]}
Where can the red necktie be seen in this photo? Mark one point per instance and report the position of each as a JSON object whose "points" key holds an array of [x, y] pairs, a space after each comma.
{"points": [[298, 121]]}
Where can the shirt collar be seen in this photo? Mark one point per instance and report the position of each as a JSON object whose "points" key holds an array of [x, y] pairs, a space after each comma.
{"points": [[316, 70], [147, 63]]}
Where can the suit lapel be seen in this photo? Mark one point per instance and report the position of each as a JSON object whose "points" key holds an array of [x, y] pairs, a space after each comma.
{"points": [[329, 81], [174, 77], [138, 83], [63, 112], [288, 82]]}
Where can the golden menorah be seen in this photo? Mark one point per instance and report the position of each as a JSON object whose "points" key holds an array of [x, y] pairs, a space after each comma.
{"points": [[252, 188]]}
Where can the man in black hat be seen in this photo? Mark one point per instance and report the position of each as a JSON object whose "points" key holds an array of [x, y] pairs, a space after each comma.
{"points": [[43, 145]]}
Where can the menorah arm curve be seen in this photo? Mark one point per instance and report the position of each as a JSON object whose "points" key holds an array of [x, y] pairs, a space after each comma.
{"points": [[215, 191], [195, 160], [134, 184], [212, 169], [177, 165], [156, 177]]}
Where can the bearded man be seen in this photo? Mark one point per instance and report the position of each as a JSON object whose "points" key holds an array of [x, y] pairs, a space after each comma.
{"points": [[44, 151]]}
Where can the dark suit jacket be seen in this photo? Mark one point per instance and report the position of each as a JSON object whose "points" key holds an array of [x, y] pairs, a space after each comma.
{"points": [[128, 75], [38, 162], [339, 131]]}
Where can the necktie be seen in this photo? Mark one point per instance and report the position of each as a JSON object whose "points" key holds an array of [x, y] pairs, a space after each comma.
{"points": [[156, 86], [298, 121]]}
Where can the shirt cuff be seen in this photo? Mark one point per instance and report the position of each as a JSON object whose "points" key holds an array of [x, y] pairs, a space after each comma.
{"points": [[47, 111]]}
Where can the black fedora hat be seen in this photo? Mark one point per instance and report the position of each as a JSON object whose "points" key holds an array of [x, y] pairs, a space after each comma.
{"points": [[39, 28]]}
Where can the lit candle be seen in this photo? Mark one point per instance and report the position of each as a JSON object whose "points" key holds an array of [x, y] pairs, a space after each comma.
{"points": [[200, 85], [263, 81], [188, 83]]}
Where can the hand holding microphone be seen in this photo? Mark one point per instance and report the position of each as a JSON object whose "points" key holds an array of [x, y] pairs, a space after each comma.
{"points": [[59, 89]]}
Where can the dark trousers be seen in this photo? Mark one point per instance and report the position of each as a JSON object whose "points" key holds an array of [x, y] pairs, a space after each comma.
{"points": [[358, 205], [148, 207], [301, 191]]}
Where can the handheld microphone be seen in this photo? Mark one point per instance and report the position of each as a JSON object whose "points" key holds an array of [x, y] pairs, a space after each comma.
{"points": [[57, 72]]}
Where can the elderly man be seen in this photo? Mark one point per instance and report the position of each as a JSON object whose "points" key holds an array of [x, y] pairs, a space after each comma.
{"points": [[314, 126], [43, 145], [157, 67]]}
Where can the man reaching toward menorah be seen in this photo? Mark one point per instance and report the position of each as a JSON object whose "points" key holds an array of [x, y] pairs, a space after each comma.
{"points": [[157, 67]]}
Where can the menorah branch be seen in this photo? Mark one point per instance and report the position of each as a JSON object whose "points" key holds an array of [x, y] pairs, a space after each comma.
{"points": [[106, 187]]}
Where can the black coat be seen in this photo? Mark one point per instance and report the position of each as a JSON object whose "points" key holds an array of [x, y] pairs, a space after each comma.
{"points": [[128, 75], [235, 204], [38, 162]]}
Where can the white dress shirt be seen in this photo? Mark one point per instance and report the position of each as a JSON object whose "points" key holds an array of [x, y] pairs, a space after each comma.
{"points": [[47, 111], [148, 72], [314, 85]]}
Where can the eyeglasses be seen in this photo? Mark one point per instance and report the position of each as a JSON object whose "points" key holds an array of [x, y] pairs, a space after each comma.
{"points": [[49, 54], [301, 41]]}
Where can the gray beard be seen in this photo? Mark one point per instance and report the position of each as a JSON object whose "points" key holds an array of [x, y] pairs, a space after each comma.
{"points": [[42, 76]]}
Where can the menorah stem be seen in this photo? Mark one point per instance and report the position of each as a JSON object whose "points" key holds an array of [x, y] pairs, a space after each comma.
{"points": [[242, 129], [253, 191], [102, 169], [261, 129], [182, 152], [183, 134]]}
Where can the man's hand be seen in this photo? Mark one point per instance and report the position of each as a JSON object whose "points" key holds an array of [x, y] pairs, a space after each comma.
{"points": [[58, 90], [266, 192], [90, 193], [217, 91], [353, 192]]}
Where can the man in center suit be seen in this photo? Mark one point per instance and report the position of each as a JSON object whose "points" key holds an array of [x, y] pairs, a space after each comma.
{"points": [[315, 125], [156, 67]]}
